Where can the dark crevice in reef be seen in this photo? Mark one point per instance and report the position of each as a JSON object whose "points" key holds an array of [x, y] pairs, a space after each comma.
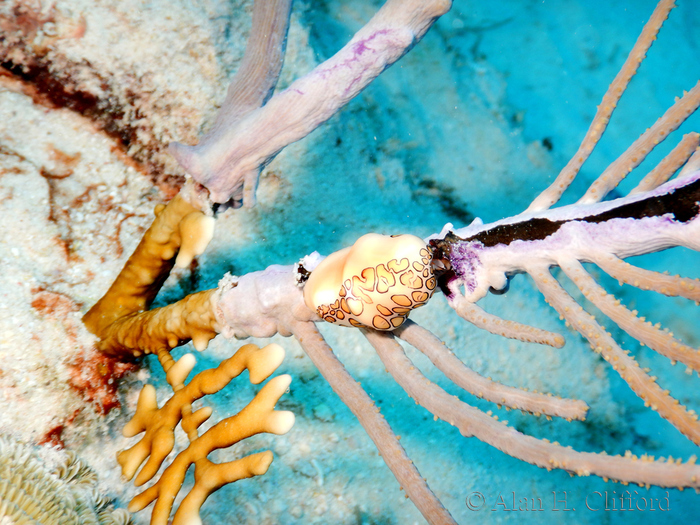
{"points": [[29, 65], [56, 93]]}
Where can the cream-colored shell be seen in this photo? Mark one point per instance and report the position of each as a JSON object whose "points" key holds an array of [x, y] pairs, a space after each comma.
{"points": [[374, 283]]}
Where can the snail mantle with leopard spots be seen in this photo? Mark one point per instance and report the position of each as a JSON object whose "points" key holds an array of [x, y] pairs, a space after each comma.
{"points": [[374, 283]]}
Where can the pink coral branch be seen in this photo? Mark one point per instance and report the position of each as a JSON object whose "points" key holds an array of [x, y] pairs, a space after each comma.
{"points": [[643, 331], [669, 165], [602, 342], [671, 285], [602, 117], [254, 82], [357, 400], [692, 166], [228, 160], [260, 68], [474, 383], [473, 422], [640, 148], [477, 316]]}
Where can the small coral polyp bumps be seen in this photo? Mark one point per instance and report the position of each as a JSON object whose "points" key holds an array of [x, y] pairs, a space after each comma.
{"points": [[374, 283]]}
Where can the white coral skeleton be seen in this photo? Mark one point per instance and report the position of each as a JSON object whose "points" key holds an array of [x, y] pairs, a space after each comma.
{"points": [[375, 284]]}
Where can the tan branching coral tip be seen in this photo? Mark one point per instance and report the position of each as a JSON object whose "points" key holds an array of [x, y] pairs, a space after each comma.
{"points": [[192, 318], [180, 229], [159, 424], [196, 230]]}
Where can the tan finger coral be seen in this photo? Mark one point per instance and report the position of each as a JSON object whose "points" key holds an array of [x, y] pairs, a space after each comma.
{"points": [[180, 232], [158, 425]]}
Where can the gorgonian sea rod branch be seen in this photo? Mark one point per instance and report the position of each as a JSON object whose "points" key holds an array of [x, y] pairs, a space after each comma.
{"points": [[228, 159], [601, 233], [638, 224], [606, 108], [473, 422]]}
